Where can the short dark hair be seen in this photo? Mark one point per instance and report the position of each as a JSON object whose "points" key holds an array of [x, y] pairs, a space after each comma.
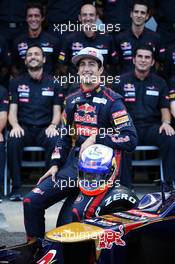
{"points": [[144, 47], [35, 46], [35, 4], [141, 2]]}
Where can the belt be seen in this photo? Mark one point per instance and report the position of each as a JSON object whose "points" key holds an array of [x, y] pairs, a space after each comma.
{"points": [[12, 24]]}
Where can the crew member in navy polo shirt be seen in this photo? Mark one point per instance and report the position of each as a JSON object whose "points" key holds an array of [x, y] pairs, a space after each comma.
{"points": [[3, 120], [34, 114], [146, 96], [171, 85], [35, 35], [127, 41], [88, 37]]}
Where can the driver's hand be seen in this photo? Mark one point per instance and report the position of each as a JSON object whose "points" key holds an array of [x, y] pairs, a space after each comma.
{"points": [[51, 172]]}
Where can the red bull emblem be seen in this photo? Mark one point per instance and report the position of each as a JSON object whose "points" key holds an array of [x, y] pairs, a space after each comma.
{"points": [[110, 237], [86, 108], [48, 257]]}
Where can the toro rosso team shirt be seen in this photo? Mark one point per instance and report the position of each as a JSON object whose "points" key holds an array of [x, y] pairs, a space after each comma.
{"points": [[144, 98], [101, 112], [126, 42], [35, 99], [46, 41]]}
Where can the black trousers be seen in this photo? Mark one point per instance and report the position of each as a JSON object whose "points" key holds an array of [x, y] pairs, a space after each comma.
{"points": [[48, 193], [149, 135], [33, 136]]}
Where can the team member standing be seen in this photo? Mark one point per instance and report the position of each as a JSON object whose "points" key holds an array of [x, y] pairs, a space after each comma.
{"points": [[87, 36], [147, 99], [34, 114], [94, 114], [138, 34], [35, 35], [3, 120]]}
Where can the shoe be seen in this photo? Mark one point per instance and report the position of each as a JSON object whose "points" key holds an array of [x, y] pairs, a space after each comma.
{"points": [[15, 196]]}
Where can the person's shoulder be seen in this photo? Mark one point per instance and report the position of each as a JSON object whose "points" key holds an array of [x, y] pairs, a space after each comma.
{"points": [[122, 35], [21, 78], [21, 37], [127, 76], [48, 76], [110, 94], [157, 79], [73, 36], [74, 97], [151, 33], [46, 35]]}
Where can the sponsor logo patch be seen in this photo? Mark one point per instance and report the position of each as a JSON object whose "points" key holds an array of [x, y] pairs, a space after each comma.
{"points": [[119, 113], [121, 120]]}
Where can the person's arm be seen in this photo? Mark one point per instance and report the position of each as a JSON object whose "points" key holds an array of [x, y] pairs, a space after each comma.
{"points": [[17, 130], [4, 103], [166, 121], [56, 113], [64, 141], [3, 122], [172, 108], [51, 130], [122, 133]]}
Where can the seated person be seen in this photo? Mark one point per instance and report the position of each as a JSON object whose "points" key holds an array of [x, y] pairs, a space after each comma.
{"points": [[35, 111], [94, 114]]}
